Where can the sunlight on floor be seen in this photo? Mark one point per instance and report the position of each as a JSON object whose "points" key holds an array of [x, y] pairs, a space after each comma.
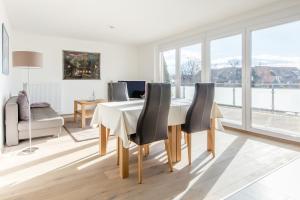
{"points": [[68, 164]]}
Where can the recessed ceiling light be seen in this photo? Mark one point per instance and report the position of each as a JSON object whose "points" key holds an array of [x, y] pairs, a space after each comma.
{"points": [[111, 27]]}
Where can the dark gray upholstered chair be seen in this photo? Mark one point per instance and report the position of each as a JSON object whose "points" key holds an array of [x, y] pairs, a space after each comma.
{"points": [[198, 115], [152, 124], [117, 91]]}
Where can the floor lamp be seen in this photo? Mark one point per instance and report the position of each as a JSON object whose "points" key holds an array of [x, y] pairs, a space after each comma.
{"points": [[28, 60]]}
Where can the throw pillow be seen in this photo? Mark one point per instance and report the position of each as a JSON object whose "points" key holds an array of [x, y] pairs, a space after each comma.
{"points": [[23, 106]]}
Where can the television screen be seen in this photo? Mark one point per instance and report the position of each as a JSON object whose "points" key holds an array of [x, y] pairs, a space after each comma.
{"points": [[136, 89]]}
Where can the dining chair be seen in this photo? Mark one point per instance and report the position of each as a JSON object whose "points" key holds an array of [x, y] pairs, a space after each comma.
{"points": [[152, 123], [117, 91], [198, 117]]}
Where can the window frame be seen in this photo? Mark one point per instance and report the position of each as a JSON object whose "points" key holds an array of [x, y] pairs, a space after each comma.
{"points": [[243, 48], [177, 47], [268, 21]]}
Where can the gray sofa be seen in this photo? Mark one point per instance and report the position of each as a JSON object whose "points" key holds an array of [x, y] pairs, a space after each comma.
{"points": [[44, 122]]}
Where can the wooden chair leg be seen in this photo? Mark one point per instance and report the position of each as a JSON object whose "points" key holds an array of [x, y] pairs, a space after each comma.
{"points": [[189, 146], [140, 163], [118, 149], [107, 134], [146, 150], [211, 141], [184, 135], [168, 150]]}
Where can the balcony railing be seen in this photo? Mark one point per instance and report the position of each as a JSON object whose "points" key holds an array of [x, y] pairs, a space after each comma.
{"points": [[266, 97]]}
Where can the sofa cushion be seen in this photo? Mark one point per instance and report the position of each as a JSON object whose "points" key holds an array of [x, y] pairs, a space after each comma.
{"points": [[23, 106], [40, 105], [42, 118]]}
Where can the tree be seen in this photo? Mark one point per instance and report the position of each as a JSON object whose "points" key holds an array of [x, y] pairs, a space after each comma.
{"points": [[190, 71], [235, 63]]}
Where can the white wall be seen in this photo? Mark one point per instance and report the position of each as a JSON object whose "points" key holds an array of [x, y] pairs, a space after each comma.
{"points": [[278, 12], [4, 79], [146, 62], [117, 62]]}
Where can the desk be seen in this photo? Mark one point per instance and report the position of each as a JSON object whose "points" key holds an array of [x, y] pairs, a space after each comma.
{"points": [[121, 119]]}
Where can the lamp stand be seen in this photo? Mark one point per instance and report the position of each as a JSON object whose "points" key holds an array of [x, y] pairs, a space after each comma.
{"points": [[29, 149]]}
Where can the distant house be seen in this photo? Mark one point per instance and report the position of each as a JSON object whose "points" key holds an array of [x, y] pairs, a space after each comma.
{"points": [[261, 76], [275, 75]]}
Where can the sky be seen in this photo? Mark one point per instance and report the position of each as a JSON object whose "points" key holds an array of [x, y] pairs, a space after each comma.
{"points": [[276, 46]]}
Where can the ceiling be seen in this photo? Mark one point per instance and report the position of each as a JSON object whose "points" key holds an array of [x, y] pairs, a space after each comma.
{"points": [[133, 21]]}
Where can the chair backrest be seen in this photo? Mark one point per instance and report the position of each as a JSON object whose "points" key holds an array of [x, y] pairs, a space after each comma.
{"points": [[198, 115], [153, 121], [117, 91]]}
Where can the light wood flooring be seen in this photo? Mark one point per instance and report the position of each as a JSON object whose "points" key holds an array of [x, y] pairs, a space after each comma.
{"points": [[282, 184], [64, 169]]}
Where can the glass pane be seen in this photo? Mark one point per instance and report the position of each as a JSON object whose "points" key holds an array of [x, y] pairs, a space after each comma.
{"points": [[226, 73], [190, 68], [275, 78], [169, 68]]}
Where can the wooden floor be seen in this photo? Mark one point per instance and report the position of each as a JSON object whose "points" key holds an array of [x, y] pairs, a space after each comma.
{"points": [[282, 184], [263, 119], [64, 169]]}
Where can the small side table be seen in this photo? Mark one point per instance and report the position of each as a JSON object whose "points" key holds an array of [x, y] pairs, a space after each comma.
{"points": [[84, 112]]}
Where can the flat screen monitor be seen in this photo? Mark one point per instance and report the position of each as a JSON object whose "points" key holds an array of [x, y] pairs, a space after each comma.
{"points": [[136, 89]]}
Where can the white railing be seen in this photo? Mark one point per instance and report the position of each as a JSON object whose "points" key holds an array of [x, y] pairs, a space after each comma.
{"points": [[269, 97]]}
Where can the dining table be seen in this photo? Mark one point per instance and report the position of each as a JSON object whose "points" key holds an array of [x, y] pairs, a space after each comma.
{"points": [[120, 119]]}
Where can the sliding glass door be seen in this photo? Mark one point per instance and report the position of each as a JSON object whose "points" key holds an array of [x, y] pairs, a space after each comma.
{"points": [[226, 73], [256, 73], [275, 78]]}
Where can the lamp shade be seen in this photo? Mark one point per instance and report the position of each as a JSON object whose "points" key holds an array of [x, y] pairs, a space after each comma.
{"points": [[28, 59]]}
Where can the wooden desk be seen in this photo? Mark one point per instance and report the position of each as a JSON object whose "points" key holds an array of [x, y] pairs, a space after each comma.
{"points": [[85, 113]]}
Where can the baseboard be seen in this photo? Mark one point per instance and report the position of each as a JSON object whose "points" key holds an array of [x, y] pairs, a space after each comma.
{"points": [[263, 136]]}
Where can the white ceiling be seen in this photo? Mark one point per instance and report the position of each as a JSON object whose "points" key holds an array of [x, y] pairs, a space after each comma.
{"points": [[135, 21]]}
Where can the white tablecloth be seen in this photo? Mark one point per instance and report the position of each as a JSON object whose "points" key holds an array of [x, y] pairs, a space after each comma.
{"points": [[121, 117]]}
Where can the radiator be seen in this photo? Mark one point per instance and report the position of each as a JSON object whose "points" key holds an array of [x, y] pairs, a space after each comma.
{"points": [[49, 92]]}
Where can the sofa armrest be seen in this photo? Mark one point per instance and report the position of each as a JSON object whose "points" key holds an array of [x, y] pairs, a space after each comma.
{"points": [[11, 122]]}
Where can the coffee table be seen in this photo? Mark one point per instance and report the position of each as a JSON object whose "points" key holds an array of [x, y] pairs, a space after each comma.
{"points": [[85, 109]]}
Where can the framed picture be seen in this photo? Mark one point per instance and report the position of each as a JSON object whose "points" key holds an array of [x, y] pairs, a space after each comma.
{"points": [[5, 51], [81, 65]]}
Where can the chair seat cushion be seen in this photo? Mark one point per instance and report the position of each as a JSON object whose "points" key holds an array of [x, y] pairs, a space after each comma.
{"points": [[42, 118], [188, 129], [134, 138]]}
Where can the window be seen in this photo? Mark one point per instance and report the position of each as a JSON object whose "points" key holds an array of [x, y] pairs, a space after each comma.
{"points": [[184, 74], [256, 75], [168, 61], [275, 78], [226, 73], [190, 68]]}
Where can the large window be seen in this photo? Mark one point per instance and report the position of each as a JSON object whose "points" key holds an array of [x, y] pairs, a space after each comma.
{"points": [[275, 78], [256, 74], [190, 68], [182, 71], [226, 73]]}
